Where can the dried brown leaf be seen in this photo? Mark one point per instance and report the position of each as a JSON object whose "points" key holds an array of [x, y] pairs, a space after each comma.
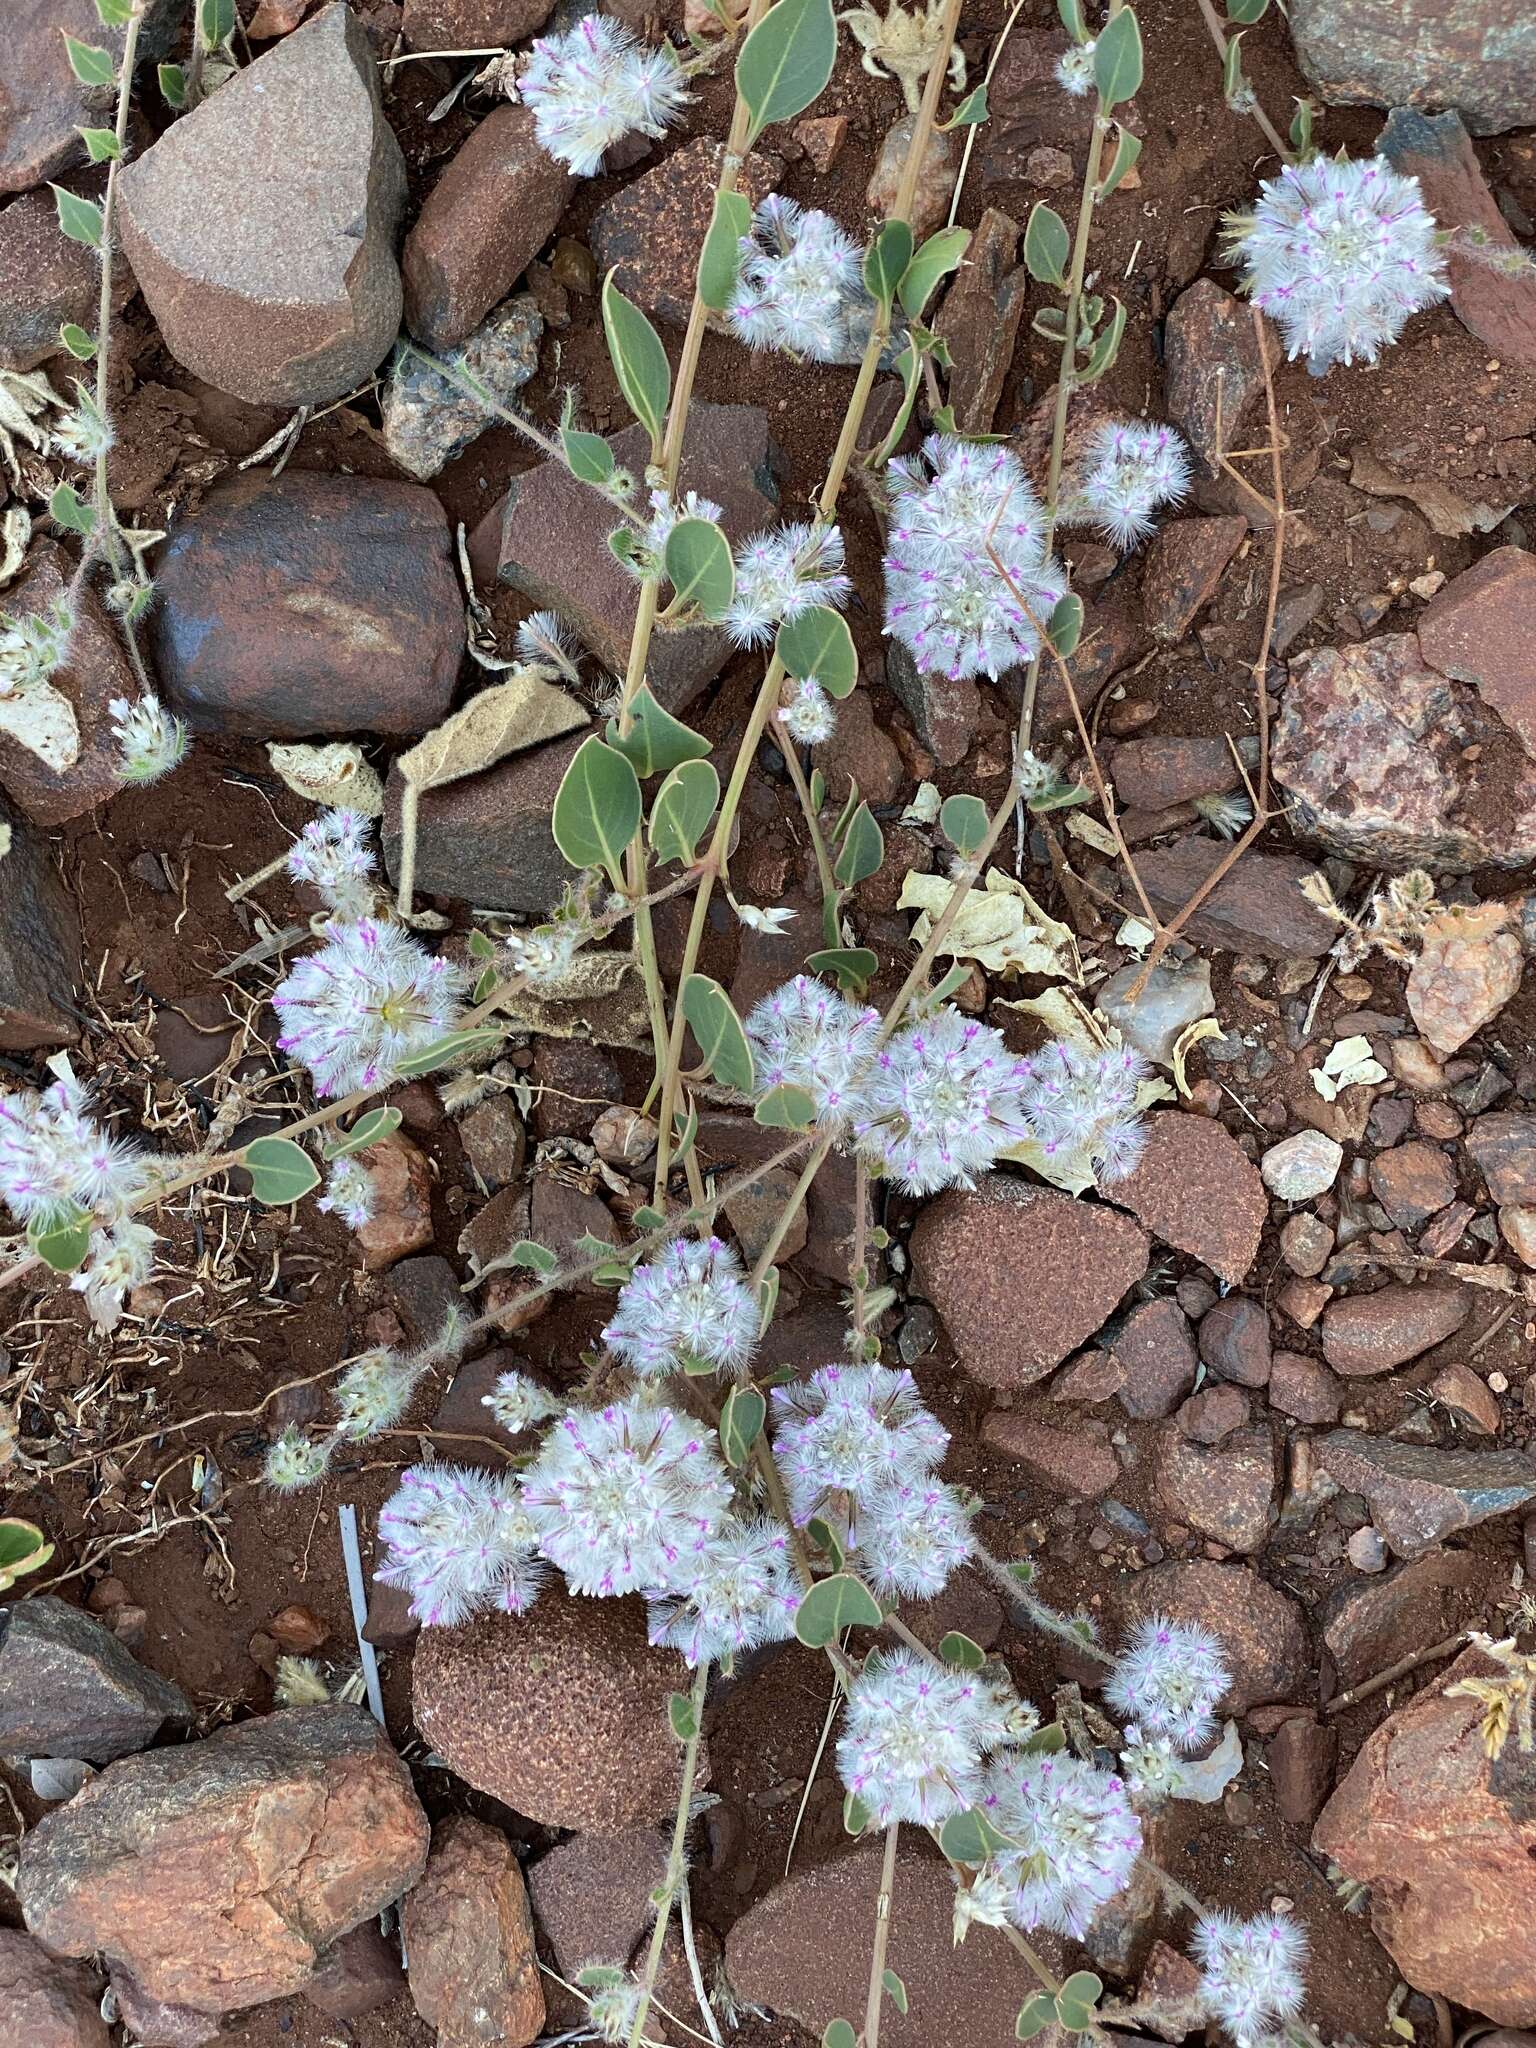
{"points": [[519, 713]]}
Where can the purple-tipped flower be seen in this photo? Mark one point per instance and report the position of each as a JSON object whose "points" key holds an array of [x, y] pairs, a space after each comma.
{"points": [[594, 85], [806, 712], [734, 1590], [814, 1038], [953, 507], [940, 1102], [1339, 255], [801, 285], [847, 1433], [685, 1310], [1170, 1680], [913, 1536], [1077, 1101], [1250, 1973], [1076, 1838], [350, 1194], [781, 574], [54, 1159], [518, 1403], [1133, 469], [119, 1260], [621, 1496], [369, 997], [914, 1735], [332, 855], [459, 1540]]}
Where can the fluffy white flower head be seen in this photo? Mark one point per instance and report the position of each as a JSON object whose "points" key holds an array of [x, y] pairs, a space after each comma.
{"points": [[350, 1194], [332, 855], [1078, 1838], [459, 1540], [369, 996], [941, 1101], [34, 646], [1074, 70], [594, 85], [1085, 1101], [119, 1260], [1134, 468], [952, 507], [544, 955], [1340, 255], [53, 1158], [801, 285], [849, 1431], [806, 712], [518, 1403], [813, 1037], [1170, 1680], [294, 1460], [913, 1535], [735, 1590], [150, 742], [690, 1307], [913, 1737], [1250, 1972], [781, 574]]}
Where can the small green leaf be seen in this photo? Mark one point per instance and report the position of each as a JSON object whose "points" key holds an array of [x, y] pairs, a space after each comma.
{"points": [[699, 566], [79, 218], [818, 790], [82, 346], [114, 13], [786, 1108], [453, 1045], [715, 1024], [962, 1652], [1037, 2014], [23, 1548], [1072, 19], [684, 805], [536, 1258], [1117, 62], [70, 510], [370, 1127], [1247, 11], [1076, 2000], [824, 1536], [215, 22], [599, 1977], [101, 145], [970, 1837], [838, 2034], [639, 360], [63, 1241], [656, 742], [863, 847], [786, 61], [686, 1126], [173, 85], [1301, 129], [588, 456], [964, 822], [1046, 1741], [767, 1299], [895, 1990], [1047, 245], [856, 1815], [938, 256], [647, 1218], [89, 64], [1234, 85], [818, 643], [597, 808], [1101, 357], [281, 1171], [1065, 626], [853, 967], [970, 113], [834, 1604], [1066, 796], [885, 261], [1127, 149], [682, 1717], [720, 262], [741, 1424]]}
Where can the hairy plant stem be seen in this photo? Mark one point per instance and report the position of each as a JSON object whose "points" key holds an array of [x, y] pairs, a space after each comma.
{"points": [[882, 1939], [1218, 36], [829, 890], [676, 1861]]}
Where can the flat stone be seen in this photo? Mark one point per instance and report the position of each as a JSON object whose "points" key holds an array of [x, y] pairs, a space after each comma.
{"points": [[220, 1872], [1152, 774], [1503, 1149], [944, 711], [1210, 1416], [1366, 1623], [1196, 1190], [1262, 1631], [46, 2002], [1470, 963], [1226, 1492], [1420, 1493], [1301, 1756], [153, 2023], [1234, 1340], [69, 1688], [592, 1895], [45, 280], [549, 540], [39, 945], [1305, 1244], [1304, 1301], [1183, 572], [1412, 1182], [44, 106], [1478, 56], [1428, 1825], [494, 207], [402, 1187], [429, 419], [1469, 1398], [935, 178], [1517, 1227], [969, 1247], [573, 1083], [495, 1142], [1302, 1167], [1437, 150], [650, 232], [980, 320], [1068, 1463], [307, 604], [862, 750], [1372, 747], [822, 137], [1479, 630], [1177, 994], [486, 840], [1303, 1389], [469, 1936], [1096, 1376], [471, 24], [1213, 371], [1257, 907], [1373, 1333], [1156, 1348], [261, 225], [1113, 637], [1027, 109]]}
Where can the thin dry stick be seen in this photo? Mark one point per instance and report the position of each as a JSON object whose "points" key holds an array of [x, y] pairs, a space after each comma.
{"points": [[1393, 1672]]}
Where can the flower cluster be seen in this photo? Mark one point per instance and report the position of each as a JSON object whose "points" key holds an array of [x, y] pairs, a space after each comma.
{"points": [[518, 1403], [954, 507], [733, 1591], [150, 741], [33, 647], [915, 1735], [1250, 1973], [801, 285], [55, 1161], [806, 712], [372, 1395], [812, 1037], [370, 996], [545, 642], [459, 1540], [350, 1194], [1085, 1102], [781, 574], [1169, 1680], [595, 84], [1339, 254], [85, 433], [1132, 469], [940, 1102], [332, 855], [1073, 1838], [688, 1310]]}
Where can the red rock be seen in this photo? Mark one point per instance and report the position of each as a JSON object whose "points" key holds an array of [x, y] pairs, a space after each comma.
{"points": [[1183, 572], [361, 1973], [1227, 1492], [1517, 1227], [592, 1895], [486, 839], [44, 2001], [1503, 1147], [45, 279], [1257, 907], [1113, 636], [68, 1687], [402, 1187], [220, 1872], [1479, 630], [1372, 1333], [1153, 774], [1212, 366], [298, 1630], [651, 231], [494, 1142], [1197, 1191], [1262, 1631], [154, 2024], [980, 320], [1096, 1376], [1210, 1416], [1468, 1397], [1304, 1301], [1234, 1340], [309, 604], [935, 178], [490, 213], [45, 106], [471, 24], [1412, 1182], [1469, 965], [1477, 56], [1425, 1821], [1066, 1462], [1301, 1757], [1157, 1350], [1420, 1493], [1169, 1982], [862, 751], [1366, 1623], [944, 711], [1303, 1389], [261, 225], [730, 1143], [822, 138], [469, 1936], [1306, 1243], [969, 1247]]}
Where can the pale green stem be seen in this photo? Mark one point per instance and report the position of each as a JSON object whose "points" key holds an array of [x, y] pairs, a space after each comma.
{"points": [[882, 1938], [676, 1860]]}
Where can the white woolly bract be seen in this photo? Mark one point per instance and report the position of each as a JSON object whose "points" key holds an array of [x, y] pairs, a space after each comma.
{"points": [[54, 1159], [1133, 469], [1250, 1972], [594, 85], [912, 1536], [544, 640], [1074, 1100], [84, 433], [349, 1193], [332, 854], [519, 1403], [294, 1460], [914, 1734], [1074, 70], [613, 2008], [736, 1589], [619, 1495], [1340, 255], [813, 1037], [1153, 1769], [954, 506], [1169, 1680], [150, 741], [1073, 1838], [801, 285], [940, 1102], [846, 1433], [544, 956], [373, 1393], [781, 574], [369, 996], [119, 1260], [459, 1540], [806, 712], [33, 646], [688, 1306]]}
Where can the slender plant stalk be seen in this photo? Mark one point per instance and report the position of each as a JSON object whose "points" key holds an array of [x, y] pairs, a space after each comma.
{"points": [[677, 1859], [105, 526], [882, 1938], [1218, 36]]}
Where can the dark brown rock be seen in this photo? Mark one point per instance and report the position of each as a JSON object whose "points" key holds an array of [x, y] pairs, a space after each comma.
{"points": [[561, 1712], [1210, 1416], [469, 1937], [1262, 1631], [45, 279], [730, 1143], [1152, 774], [1212, 370], [1478, 56], [69, 1688], [970, 1246], [1301, 1757], [261, 225], [1113, 636], [1303, 1389], [494, 1142], [1367, 1623], [592, 1895], [1372, 1333], [1256, 908], [1027, 108], [1157, 1350], [944, 710], [220, 1872], [1067, 1462], [1420, 1493], [44, 2001], [361, 1973], [980, 320], [39, 945], [1226, 1492], [1183, 571], [153, 2023], [1479, 629], [862, 751], [1412, 1182], [310, 604], [574, 1081], [649, 234], [1197, 1191], [1503, 1148], [1234, 1340], [490, 213], [43, 106], [486, 839], [471, 24]]}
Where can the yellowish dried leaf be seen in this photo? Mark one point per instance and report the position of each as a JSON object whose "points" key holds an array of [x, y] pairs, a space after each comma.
{"points": [[522, 712], [335, 776], [1184, 1045], [1000, 926]]}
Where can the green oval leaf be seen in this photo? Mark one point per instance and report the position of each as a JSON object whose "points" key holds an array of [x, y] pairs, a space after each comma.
{"points": [[82, 346], [832, 1605], [1102, 355], [599, 1977], [895, 1990], [741, 1424], [938, 256], [720, 261], [1073, 20], [656, 741], [684, 805], [370, 1127], [823, 1535], [1117, 61], [535, 1258], [970, 113], [1247, 11], [839, 2034], [597, 808], [970, 1837], [786, 61], [818, 643], [682, 1716], [1047, 245], [89, 64], [886, 260], [639, 360], [63, 1242], [1127, 149], [716, 1026], [281, 1171], [453, 1045], [786, 1108], [114, 13], [699, 566], [588, 456], [863, 848], [215, 22], [101, 145], [962, 1652], [1046, 1741], [173, 85], [1064, 628], [71, 511], [23, 1548], [964, 822], [852, 967], [856, 1815], [79, 218], [1037, 2014]]}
